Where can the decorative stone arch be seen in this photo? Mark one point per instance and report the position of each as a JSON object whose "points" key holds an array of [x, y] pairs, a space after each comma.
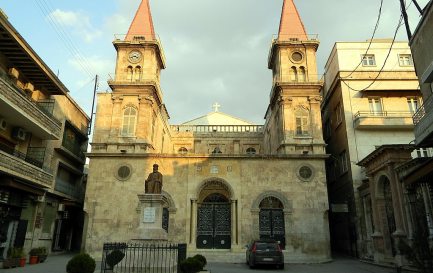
{"points": [[169, 201], [287, 204], [378, 183], [130, 104], [218, 182]]}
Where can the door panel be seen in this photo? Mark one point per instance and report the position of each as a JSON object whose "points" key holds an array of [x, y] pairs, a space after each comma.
{"points": [[271, 225], [214, 226]]}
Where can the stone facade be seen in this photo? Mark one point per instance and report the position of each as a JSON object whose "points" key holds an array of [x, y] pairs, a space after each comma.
{"points": [[258, 181]]}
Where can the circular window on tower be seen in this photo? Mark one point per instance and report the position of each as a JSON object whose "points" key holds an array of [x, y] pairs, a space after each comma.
{"points": [[305, 173], [297, 57], [123, 172]]}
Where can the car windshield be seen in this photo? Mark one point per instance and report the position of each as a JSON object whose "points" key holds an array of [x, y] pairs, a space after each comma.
{"points": [[264, 246]]}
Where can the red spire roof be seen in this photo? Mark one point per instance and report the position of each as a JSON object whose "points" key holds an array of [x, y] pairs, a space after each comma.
{"points": [[291, 26], [142, 24]]}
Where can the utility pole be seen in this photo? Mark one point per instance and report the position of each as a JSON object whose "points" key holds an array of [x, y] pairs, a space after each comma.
{"points": [[406, 21], [89, 129]]}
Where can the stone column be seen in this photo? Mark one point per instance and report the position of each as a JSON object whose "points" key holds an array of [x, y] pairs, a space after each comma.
{"points": [[396, 204], [116, 118], [377, 236], [193, 228], [234, 223]]}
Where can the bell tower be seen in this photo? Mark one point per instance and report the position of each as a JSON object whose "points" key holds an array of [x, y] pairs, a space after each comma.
{"points": [[293, 121], [134, 112], [140, 57]]}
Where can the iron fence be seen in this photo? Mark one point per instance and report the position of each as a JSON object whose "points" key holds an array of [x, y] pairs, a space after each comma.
{"points": [[142, 257]]}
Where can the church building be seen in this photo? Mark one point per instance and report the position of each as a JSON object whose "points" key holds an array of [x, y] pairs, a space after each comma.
{"points": [[225, 181]]}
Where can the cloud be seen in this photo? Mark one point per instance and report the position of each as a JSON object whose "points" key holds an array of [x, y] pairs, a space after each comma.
{"points": [[78, 22]]}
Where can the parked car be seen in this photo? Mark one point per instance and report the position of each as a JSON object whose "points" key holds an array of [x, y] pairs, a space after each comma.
{"points": [[264, 252]]}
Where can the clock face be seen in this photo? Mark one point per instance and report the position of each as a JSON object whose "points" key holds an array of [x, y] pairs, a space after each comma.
{"points": [[134, 56]]}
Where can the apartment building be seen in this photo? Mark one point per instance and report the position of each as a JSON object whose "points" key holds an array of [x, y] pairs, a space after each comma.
{"points": [[43, 137], [370, 94]]}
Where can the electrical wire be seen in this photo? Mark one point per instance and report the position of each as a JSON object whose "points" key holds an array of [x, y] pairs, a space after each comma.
{"points": [[64, 37], [371, 39], [384, 63]]}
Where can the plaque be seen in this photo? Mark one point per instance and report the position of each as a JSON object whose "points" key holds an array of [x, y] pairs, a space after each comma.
{"points": [[149, 215]]}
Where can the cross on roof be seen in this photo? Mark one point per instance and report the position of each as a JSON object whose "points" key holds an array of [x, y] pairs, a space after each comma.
{"points": [[216, 106]]}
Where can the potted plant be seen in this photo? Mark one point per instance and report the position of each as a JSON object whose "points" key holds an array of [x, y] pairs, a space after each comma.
{"points": [[11, 259], [33, 253], [21, 256], [43, 254], [81, 263]]}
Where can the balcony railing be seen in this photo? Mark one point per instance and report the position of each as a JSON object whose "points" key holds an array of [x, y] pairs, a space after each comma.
{"points": [[218, 128], [40, 111], [34, 156], [73, 190], [398, 114], [74, 148], [295, 37], [383, 119], [423, 120], [420, 113], [27, 167]]}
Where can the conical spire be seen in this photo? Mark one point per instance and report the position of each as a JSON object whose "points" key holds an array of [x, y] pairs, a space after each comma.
{"points": [[291, 26], [142, 25]]}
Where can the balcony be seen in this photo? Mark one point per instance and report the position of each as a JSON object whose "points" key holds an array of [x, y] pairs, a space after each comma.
{"points": [[423, 120], [22, 111], [383, 120], [25, 166], [74, 190]]}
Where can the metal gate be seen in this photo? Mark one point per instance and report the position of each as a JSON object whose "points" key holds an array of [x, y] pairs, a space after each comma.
{"points": [[271, 225], [214, 226]]}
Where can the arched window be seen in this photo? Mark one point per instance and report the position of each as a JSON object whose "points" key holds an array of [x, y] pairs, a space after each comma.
{"points": [[183, 150], [302, 122], [302, 76], [129, 73], [129, 121], [251, 151], [293, 74], [137, 73]]}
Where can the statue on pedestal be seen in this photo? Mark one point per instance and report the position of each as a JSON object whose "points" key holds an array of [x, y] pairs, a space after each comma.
{"points": [[153, 183]]}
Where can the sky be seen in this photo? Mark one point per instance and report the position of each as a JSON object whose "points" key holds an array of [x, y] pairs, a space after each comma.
{"points": [[216, 50]]}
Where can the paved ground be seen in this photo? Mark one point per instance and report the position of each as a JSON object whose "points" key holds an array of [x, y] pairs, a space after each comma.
{"points": [[57, 264]]}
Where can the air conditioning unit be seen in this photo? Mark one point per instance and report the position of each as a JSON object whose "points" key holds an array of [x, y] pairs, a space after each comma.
{"points": [[61, 207], [40, 198], [29, 87], [3, 124], [19, 133], [14, 73]]}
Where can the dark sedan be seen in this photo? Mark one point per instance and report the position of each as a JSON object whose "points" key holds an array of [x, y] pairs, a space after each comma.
{"points": [[265, 252]]}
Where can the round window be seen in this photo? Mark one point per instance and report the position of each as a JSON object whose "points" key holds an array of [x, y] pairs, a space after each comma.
{"points": [[124, 172], [305, 172], [297, 56]]}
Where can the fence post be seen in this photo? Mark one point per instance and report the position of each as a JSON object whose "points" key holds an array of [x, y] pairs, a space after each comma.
{"points": [[181, 254]]}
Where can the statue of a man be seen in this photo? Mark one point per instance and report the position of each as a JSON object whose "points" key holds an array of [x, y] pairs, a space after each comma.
{"points": [[153, 183]]}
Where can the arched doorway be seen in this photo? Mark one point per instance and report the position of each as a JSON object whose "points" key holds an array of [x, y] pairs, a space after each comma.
{"points": [[271, 220], [214, 217]]}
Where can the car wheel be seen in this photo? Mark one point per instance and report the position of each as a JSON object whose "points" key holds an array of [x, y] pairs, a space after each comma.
{"points": [[280, 266], [251, 265]]}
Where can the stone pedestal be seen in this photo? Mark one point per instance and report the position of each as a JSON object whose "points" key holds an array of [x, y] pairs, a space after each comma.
{"points": [[150, 225]]}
